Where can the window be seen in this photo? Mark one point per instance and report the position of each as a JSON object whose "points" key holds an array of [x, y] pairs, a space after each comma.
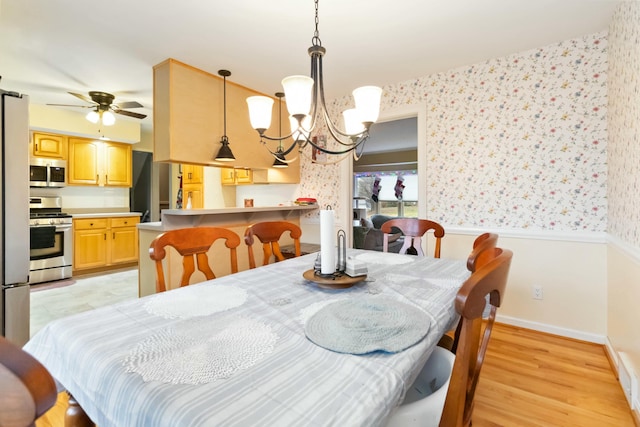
{"points": [[388, 203]]}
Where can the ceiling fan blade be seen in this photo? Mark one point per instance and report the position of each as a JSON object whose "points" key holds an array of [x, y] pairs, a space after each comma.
{"points": [[130, 113], [83, 97], [70, 105], [129, 104]]}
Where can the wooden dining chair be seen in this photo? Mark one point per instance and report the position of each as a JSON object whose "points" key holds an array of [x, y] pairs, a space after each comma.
{"points": [[480, 244], [489, 279], [413, 230], [269, 233], [192, 243], [481, 254], [27, 390]]}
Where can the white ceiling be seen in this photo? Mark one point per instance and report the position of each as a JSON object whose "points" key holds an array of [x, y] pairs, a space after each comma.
{"points": [[49, 47]]}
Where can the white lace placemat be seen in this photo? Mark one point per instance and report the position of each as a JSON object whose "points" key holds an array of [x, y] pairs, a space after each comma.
{"points": [[198, 351], [384, 258], [367, 324], [195, 301]]}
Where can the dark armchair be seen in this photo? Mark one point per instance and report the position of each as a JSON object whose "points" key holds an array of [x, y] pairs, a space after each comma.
{"points": [[369, 236]]}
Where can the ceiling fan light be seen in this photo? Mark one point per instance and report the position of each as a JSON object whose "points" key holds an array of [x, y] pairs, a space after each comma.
{"points": [[260, 111], [367, 100], [108, 118], [93, 116], [298, 91]]}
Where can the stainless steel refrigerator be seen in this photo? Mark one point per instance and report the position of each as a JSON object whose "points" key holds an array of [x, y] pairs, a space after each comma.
{"points": [[14, 217]]}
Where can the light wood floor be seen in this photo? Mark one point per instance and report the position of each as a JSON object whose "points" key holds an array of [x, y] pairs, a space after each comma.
{"points": [[528, 379]]}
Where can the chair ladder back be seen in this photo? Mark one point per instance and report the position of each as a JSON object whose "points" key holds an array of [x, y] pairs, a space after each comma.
{"points": [[269, 234], [190, 243], [413, 229]]}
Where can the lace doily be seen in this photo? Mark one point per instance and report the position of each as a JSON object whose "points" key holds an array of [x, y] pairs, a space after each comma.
{"points": [[363, 325], [384, 258], [199, 351], [196, 301]]}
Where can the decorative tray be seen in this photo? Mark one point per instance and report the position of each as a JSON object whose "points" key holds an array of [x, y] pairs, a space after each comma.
{"points": [[339, 281]]}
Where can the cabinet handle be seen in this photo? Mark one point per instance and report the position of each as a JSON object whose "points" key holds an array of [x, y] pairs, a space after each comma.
{"points": [[90, 224], [97, 177], [114, 235], [105, 236], [126, 222], [36, 146]]}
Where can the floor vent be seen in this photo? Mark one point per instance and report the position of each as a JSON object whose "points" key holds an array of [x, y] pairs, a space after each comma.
{"points": [[628, 380]]}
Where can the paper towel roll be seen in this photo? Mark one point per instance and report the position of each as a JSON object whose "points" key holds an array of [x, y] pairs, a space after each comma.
{"points": [[327, 243]]}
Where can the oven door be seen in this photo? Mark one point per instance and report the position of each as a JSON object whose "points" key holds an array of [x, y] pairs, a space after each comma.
{"points": [[50, 247], [38, 175]]}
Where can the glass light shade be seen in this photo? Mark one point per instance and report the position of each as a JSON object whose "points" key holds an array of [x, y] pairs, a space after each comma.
{"points": [[93, 116], [367, 100], [108, 118], [300, 135], [298, 91], [260, 111], [352, 121]]}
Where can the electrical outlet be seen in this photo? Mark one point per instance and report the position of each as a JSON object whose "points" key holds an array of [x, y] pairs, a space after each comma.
{"points": [[536, 292]]}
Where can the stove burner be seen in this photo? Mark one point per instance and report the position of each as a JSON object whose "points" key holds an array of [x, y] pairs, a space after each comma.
{"points": [[49, 215]]}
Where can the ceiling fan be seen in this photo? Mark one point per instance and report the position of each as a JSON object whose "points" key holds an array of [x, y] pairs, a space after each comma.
{"points": [[103, 102]]}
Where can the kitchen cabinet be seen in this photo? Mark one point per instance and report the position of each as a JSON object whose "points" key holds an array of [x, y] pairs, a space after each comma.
{"points": [[193, 186], [230, 176], [104, 242], [49, 145], [93, 162], [188, 109], [192, 174]]}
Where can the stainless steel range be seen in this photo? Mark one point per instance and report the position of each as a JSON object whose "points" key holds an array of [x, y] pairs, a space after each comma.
{"points": [[51, 244]]}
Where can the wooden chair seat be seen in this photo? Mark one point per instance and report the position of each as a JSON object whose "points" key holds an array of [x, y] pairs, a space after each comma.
{"points": [[192, 243], [27, 390], [413, 230], [269, 234]]}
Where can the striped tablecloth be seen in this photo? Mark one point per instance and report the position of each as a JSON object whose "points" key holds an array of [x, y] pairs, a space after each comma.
{"points": [[100, 356]]}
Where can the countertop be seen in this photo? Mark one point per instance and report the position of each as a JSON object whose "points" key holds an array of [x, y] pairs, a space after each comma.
{"points": [[105, 214]]}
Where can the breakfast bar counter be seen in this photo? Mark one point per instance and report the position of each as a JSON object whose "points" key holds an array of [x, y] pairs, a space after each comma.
{"points": [[235, 219]]}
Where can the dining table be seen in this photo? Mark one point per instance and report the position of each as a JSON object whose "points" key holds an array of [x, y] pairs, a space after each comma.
{"points": [[262, 347]]}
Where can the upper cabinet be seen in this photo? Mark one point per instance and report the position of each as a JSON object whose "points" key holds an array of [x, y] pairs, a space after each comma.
{"points": [[49, 145], [93, 162], [188, 122]]}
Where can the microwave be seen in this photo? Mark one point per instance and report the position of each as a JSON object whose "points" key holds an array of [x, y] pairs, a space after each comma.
{"points": [[47, 172]]}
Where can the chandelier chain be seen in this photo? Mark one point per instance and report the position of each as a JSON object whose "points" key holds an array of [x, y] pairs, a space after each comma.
{"points": [[316, 34]]}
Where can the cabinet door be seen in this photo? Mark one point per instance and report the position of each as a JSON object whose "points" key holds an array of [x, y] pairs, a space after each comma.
{"points": [[192, 174], [124, 245], [227, 176], [89, 248], [83, 161], [117, 164], [49, 145], [197, 195], [244, 176]]}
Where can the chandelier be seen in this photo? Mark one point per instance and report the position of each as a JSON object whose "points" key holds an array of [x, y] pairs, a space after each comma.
{"points": [[306, 103]]}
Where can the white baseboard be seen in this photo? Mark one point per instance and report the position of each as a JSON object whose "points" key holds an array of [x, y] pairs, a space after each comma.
{"points": [[612, 354], [551, 329]]}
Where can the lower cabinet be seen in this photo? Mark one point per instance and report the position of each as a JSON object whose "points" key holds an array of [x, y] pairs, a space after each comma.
{"points": [[104, 242]]}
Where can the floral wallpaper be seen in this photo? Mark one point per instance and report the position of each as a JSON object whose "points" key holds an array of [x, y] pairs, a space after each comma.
{"points": [[624, 124], [515, 142]]}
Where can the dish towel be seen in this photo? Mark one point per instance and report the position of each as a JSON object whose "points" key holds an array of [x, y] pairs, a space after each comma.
{"points": [[367, 324]]}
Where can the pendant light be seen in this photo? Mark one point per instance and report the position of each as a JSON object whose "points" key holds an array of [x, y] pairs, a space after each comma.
{"points": [[224, 153], [280, 161]]}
